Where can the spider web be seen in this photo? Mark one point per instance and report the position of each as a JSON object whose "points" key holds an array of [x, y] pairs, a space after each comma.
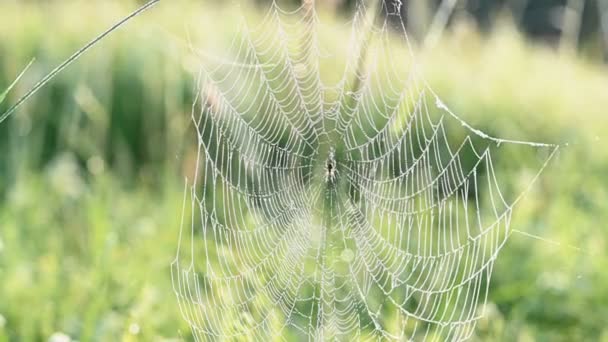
{"points": [[353, 210]]}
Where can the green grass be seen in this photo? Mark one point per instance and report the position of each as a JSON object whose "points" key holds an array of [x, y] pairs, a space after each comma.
{"points": [[88, 259], [12, 85], [91, 173]]}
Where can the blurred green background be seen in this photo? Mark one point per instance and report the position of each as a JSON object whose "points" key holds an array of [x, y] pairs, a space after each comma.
{"points": [[92, 168]]}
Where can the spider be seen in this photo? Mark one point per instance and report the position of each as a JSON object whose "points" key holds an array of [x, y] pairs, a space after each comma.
{"points": [[331, 172]]}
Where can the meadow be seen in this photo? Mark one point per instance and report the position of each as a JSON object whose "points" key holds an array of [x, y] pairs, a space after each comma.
{"points": [[92, 172]]}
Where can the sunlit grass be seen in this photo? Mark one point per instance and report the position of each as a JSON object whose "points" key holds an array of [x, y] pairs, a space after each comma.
{"points": [[92, 171]]}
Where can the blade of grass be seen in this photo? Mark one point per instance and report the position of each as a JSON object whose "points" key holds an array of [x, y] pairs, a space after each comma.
{"points": [[440, 21], [603, 13], [3, 95], [74, 57], [571, 25]]}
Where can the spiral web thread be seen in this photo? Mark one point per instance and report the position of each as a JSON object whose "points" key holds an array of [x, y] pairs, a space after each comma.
{"points": [[360, 210]]}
